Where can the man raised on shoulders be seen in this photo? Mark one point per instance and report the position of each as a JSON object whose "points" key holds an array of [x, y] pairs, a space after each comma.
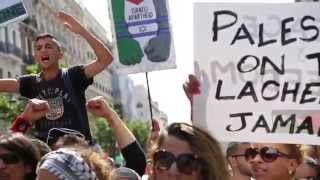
{"points": [[50, 83]]}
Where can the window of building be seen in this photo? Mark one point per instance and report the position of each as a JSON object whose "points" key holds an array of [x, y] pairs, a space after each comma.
{"points": [[14, 38], [9, 74], [1, 36], [6, 34], [41, 27], [30, 47], [139, 105], [26, 45]]}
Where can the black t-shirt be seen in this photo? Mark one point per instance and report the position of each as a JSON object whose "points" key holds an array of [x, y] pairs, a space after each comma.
{"points": [[62, 111]]}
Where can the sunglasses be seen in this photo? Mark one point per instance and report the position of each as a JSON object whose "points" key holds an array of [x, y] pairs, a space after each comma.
{"points": [[267, 154], [186, 163], [9, 158]]}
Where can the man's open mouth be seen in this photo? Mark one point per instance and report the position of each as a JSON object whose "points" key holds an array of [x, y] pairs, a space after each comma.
{"points": [[45, 58]]}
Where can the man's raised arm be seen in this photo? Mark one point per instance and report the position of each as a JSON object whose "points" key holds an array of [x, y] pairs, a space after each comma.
{"points": [[104, 57], [9, 85]]}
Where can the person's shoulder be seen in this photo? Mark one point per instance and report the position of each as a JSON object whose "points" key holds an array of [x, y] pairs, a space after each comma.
{"points": [[29, 76], [75, 68]]}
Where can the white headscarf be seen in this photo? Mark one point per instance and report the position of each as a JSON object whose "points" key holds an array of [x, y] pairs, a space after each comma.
{"points": [[67, 164]]}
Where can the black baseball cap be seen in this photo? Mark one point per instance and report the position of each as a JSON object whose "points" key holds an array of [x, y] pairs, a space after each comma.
{"points": [[55, 133]]}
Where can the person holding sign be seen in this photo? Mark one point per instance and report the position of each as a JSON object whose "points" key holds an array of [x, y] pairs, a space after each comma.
{"points": [[64, 90], [191, 87], [273, 161]]}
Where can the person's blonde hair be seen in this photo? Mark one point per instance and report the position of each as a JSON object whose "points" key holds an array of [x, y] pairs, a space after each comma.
{"points": [[294, 152], [95, 161]]}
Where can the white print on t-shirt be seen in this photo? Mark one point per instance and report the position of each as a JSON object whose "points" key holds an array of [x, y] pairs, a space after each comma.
{"points": [[55, 98], [56, 108]]}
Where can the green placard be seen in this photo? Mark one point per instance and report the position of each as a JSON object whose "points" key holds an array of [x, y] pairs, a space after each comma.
{"points": [[12, 12]]}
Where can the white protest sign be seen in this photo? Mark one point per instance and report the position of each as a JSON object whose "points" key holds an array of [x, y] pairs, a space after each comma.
{"points": [[12, 11], [259, 68], [143, 36]]}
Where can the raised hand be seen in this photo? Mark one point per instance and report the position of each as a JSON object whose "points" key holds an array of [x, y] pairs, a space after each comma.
{"points": [[200, 112], [191, 87], [35, 109], [99, 107], [70, 22]]}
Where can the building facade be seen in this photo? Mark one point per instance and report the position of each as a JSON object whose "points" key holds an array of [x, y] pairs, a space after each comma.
{"points": [[17, 47], [16, 41], [133, 101], [123, 94], [142, 107]]}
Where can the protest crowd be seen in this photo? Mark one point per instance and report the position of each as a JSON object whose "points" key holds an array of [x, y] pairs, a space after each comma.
{"points": [[63, 149]]}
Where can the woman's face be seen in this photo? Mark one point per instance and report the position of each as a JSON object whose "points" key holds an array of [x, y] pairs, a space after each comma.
{"points": [[268, 167], [177, 147], [11, 166]]}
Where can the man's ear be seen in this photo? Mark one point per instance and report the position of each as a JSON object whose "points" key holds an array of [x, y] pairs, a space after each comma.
{"points": [[61, 54], [231, 160], [294, 163]]}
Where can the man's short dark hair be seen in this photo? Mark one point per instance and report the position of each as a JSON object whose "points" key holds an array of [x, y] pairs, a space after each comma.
{"points": [[48, 35], [232, 148], [55, 133]]}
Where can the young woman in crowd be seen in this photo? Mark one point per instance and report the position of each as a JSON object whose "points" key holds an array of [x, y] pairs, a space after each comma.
{"points": [[73, 163], [84, 161], [189, 153], [18, 157], [310, 168], [273, 161]]}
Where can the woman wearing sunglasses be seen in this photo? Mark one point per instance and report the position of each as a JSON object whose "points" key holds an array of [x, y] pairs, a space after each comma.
{"points": [[273, 161], [187, 152]]}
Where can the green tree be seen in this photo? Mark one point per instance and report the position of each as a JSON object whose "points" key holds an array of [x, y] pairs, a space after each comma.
{"points": [[140, 129], [103, 133], [10, 108], [33, 69], [118, 108], [12, 105]]}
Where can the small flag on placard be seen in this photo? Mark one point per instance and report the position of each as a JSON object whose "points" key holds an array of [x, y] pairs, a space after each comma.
{"points": [[12, 11]]}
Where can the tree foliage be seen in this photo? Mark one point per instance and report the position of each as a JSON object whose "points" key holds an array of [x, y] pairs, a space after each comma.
{"points": [[140, 129], [10, 107], [33, 69], [104, 136]]}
